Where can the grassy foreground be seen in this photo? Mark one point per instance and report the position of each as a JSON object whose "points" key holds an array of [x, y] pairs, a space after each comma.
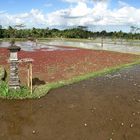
{"points": [[42, 90]]}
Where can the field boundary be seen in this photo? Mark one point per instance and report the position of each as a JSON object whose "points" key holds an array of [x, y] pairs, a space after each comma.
{"points": [[42, 90]]}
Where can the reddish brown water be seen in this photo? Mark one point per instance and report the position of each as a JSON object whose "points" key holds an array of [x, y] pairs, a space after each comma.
{"points": [[103, 108]]}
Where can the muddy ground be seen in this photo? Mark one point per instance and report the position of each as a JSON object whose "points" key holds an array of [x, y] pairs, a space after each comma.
{"points": [[103, 108]]}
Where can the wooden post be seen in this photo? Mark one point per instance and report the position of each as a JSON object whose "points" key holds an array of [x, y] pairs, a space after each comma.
{"points": [[31, 77], [29, 72], [28, 75]]}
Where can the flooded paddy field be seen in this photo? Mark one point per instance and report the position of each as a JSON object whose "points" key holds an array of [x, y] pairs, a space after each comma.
{"points": [[52, 44], [56, 63], [109, 45], [102, 108], [59, 59]]}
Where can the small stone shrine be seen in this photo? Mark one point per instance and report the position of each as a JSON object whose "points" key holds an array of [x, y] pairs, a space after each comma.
{"points": [[14, 82]]}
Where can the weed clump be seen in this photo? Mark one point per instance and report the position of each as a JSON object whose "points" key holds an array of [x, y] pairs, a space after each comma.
{"points": [[7, 93]]}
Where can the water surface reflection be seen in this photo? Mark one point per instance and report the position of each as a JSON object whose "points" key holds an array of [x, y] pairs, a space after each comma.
{"points": [[52, 45]]}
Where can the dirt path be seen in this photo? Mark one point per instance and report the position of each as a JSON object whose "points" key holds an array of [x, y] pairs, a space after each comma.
{"points": [[104, 108]]}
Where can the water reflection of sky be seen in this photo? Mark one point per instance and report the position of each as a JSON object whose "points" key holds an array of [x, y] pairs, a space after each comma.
{"points": [[55, 45], [127, 48], [32, 46]]}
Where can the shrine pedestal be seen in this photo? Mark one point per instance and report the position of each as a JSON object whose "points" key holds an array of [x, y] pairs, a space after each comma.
{"points": [[14, 82]]}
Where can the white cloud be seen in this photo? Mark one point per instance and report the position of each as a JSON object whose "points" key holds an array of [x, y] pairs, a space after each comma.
{"points": [[70, 16], [2, 12], [78, 14], [80, 10], [33, 18], [99, 14]]}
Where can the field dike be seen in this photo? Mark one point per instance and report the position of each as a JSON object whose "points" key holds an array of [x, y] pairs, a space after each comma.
{"points": [[42, 90]]}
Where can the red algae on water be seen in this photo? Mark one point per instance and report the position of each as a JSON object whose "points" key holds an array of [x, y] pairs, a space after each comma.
{"points": [[64, 64]]}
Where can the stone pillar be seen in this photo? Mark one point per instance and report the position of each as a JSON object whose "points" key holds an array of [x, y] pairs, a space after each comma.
{"points": [[14, 82]]}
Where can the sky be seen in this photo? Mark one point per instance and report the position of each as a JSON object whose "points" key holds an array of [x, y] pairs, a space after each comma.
{"points": [[96, 14]]}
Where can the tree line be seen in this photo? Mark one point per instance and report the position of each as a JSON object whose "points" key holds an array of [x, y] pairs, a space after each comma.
{"points": [[77, 32]]}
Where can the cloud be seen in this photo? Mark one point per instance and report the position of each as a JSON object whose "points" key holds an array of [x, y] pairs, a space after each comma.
{"points": [[78, 14], [33, 18], [70, 16], [2, 12]]}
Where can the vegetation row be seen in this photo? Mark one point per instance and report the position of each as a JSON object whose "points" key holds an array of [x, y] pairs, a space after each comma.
{"points": [[77, 32]]}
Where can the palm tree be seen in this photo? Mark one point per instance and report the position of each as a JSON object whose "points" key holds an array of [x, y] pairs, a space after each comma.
{"points": [[134, 29]]}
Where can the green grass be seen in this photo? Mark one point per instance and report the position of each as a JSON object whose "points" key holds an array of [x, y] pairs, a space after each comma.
{"points": [[42, 90], [3, 89], [7, 93]]}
